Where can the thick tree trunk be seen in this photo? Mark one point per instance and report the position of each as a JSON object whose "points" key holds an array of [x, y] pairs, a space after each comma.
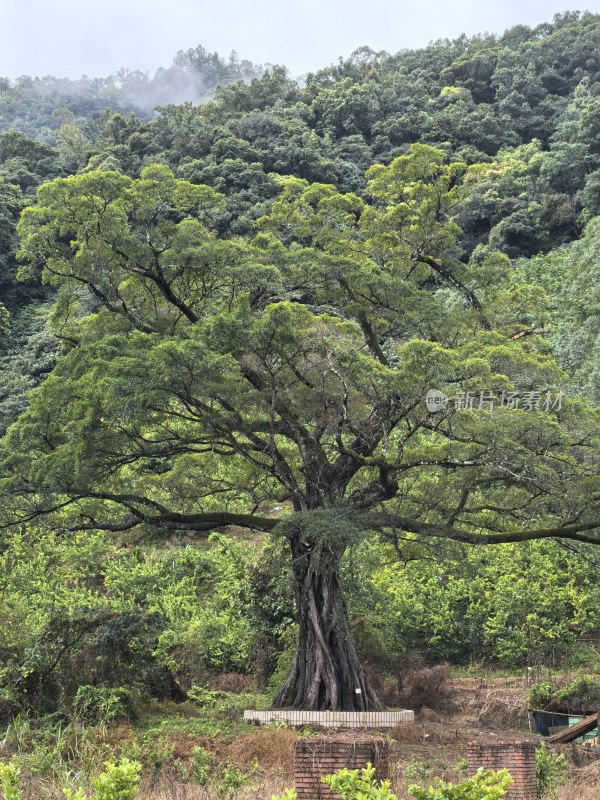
{"points": [[326, 674]]}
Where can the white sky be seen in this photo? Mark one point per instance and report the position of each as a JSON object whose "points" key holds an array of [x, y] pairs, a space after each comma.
{"points": [[97, 37]]}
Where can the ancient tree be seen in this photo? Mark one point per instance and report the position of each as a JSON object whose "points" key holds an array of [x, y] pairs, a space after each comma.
{"points": [[206, 379]]}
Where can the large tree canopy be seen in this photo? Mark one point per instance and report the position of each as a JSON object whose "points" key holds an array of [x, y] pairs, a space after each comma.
{"points": [[204, 379]]}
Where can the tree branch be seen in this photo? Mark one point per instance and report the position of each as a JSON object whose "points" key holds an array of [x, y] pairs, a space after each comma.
{"points": [[379, 521], [453, 281]]}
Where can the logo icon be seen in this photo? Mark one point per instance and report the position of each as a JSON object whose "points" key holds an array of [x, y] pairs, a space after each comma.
{"points": [[435, 400]]}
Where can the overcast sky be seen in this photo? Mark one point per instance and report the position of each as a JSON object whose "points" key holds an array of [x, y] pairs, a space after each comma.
{"points": [[97, 37]]}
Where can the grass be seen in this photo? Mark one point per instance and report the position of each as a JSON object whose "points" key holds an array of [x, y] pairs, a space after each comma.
{"points": [[216, 719], [163, 739]]}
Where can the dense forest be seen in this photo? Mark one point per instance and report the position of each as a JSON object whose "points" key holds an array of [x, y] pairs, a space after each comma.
{"points": [[219, 282]]}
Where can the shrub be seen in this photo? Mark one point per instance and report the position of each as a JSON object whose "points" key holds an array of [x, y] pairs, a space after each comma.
{"points": [[541, 695], [214, 640], [225, 704], [288, 644], [201, 766], [231, 780], [96, 704], [551, 771], [417, 770], [119, 781], [9, 782], [354, 784], [482, 786]]}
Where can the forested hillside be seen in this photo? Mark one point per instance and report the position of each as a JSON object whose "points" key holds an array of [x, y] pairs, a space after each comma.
{"points": [[39, 106], [429, 219]]}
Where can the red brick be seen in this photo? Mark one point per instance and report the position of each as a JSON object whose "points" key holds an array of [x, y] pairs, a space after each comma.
{"points": [[317, 757], [517, 757]]}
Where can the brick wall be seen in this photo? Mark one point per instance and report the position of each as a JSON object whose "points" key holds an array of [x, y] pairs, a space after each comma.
{"points": [[314, 758], [517, 757]]}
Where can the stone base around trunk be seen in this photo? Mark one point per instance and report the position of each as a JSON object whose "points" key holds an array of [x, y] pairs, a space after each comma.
{"points": [[332, 719]]}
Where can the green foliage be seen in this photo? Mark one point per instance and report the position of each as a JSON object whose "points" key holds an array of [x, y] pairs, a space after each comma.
{"points": [[95, 704], [581, 695], [122, 617], [461, 767], [30, 104], [4, 320], [27, 355], [229, 780], [9, 781], [541, 694], [458, 610], [551, 770], [569, 275], [225, 705], [482, 786], [75, 794], [354, 784], [201, 766], [327, 531], [120, 781], [486, 605]]}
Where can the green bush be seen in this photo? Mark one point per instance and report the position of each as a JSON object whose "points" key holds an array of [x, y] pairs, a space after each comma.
{"points": [[582, 695], [551, 771], [541, 695], [9, 782], [96, 704], [482, 786], [129, 617], [201, 766], [230, 780], [227, 705], [119, 782], [354, 784]]}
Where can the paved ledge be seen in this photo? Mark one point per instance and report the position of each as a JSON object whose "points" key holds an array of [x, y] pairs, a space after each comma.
{"points": [[332, 719]]}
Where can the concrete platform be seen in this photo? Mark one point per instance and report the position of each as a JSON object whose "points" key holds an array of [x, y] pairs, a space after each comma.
{"points": [[332, 719]]}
